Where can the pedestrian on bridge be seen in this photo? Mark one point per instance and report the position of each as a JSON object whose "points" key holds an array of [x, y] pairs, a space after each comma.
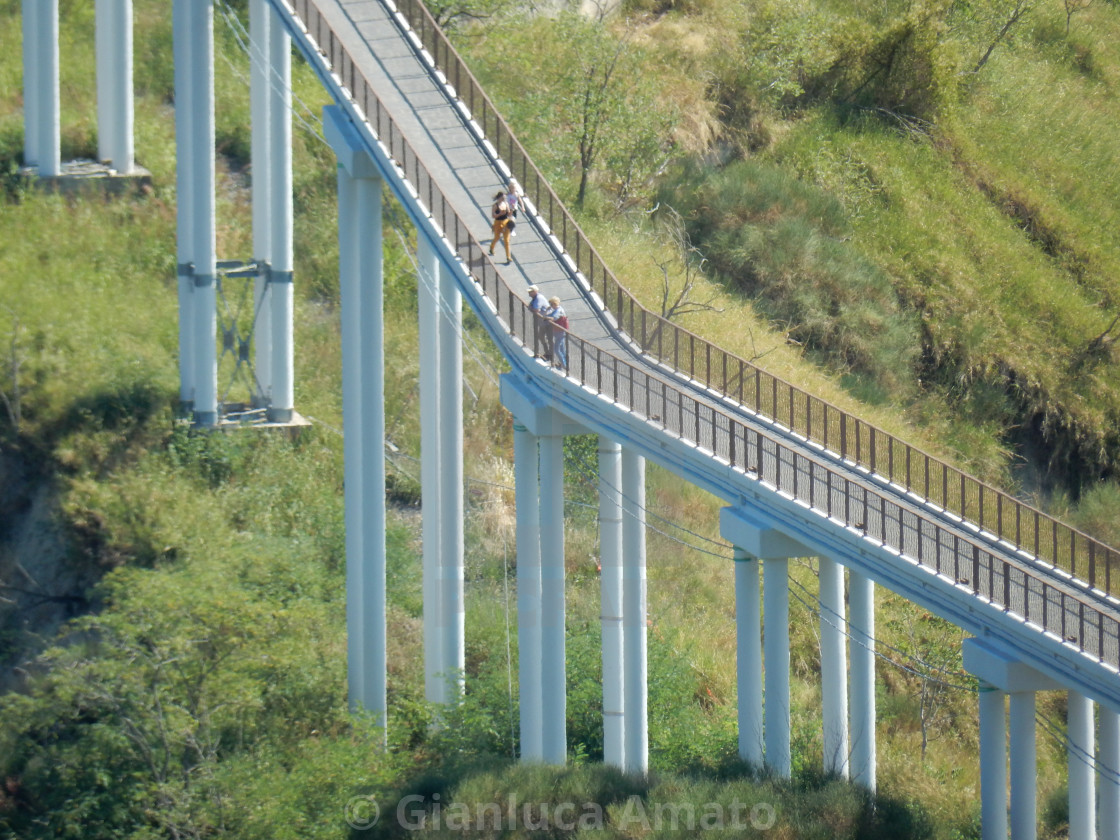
{"points": [[542, 329], [502, 223], [515, 199], [559, 319]]}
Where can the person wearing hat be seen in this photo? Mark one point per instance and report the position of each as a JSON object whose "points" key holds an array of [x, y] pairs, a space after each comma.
{"points": [[502, 222], [559, 319]]}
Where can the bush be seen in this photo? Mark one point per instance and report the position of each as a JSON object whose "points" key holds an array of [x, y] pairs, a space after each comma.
{"points": [[785, 243]]}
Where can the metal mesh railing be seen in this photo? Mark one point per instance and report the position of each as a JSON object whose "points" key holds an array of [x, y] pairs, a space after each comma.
{"points": [[879, 515], [1011, 520]]}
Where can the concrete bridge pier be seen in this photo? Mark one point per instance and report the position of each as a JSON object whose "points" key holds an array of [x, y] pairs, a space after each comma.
{"points": [[1108, 735], [281, 402], [834, 668], [114, 84], [363, 384], [1081, 763], [611, 600], [634, 610], [1001, 674], [861, 708], [42, 138], [260, 100], [526, 465], [754, 536]]}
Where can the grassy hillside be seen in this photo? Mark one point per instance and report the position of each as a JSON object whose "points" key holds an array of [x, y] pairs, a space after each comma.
{"points": [[199, 689]]}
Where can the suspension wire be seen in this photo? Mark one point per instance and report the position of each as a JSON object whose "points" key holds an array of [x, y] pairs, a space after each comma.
{"points": [[1062, 738], [244, 41]]}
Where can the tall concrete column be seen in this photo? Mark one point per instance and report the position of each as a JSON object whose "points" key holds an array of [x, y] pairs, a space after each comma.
{"points": [[372, 346], [1109, 779], [31, 58], [452, 605], [775, 640], [349, 281], [834, 668], [1000, 671], [203, 227], [43, 85], [526, 467], [1024, 766], [861, 621], [993, 764], [553, 611], [114, 84], [435, 685], [610, 582], [260, 73], [1082, 767], [282, 401], [748, 656], [635, 721], [363, 377], [184, 191]]}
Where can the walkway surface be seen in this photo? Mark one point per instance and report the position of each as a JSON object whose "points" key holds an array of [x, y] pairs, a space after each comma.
{"points": [[434, 122]]}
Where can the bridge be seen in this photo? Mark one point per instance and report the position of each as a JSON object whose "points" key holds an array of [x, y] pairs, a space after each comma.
{"points": [[799, 477]]}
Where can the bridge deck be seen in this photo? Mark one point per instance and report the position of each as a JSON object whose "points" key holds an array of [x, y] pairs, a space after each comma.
{"points": [[468, 174]]}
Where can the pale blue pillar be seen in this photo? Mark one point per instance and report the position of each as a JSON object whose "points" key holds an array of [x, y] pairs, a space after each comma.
{"points": [[282, 397], [775, 616], [1081, 764], [435, 684], [634, 611], [260, 96], [748, 656], [452, 605], [861, 709], [834, 668], [553, 683], [184, 193], [993, 763], [610, 583], [526, 467], [372, 348], [203, 228]]}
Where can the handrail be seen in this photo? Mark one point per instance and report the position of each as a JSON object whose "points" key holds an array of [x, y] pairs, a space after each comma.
{"points": [[764, 456], [708, 365]]}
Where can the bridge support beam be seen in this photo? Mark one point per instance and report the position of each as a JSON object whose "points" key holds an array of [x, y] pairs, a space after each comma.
{"points": [[1108, 733], [184, 193], [282, 396], [611, 599], [1001, 673], [198, 75], [635, 719], [861, 623], [114, 84], [755, 536], [363, 377], [548, 427], [553, 605], [526, 469], [260, 97], [449, 370], [42, 137], [834, 668], [748, 665], [435, 686], [1081, 762]]}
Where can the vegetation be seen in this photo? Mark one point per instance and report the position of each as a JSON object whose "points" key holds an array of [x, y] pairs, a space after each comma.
{"points": [[903, 203]]}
